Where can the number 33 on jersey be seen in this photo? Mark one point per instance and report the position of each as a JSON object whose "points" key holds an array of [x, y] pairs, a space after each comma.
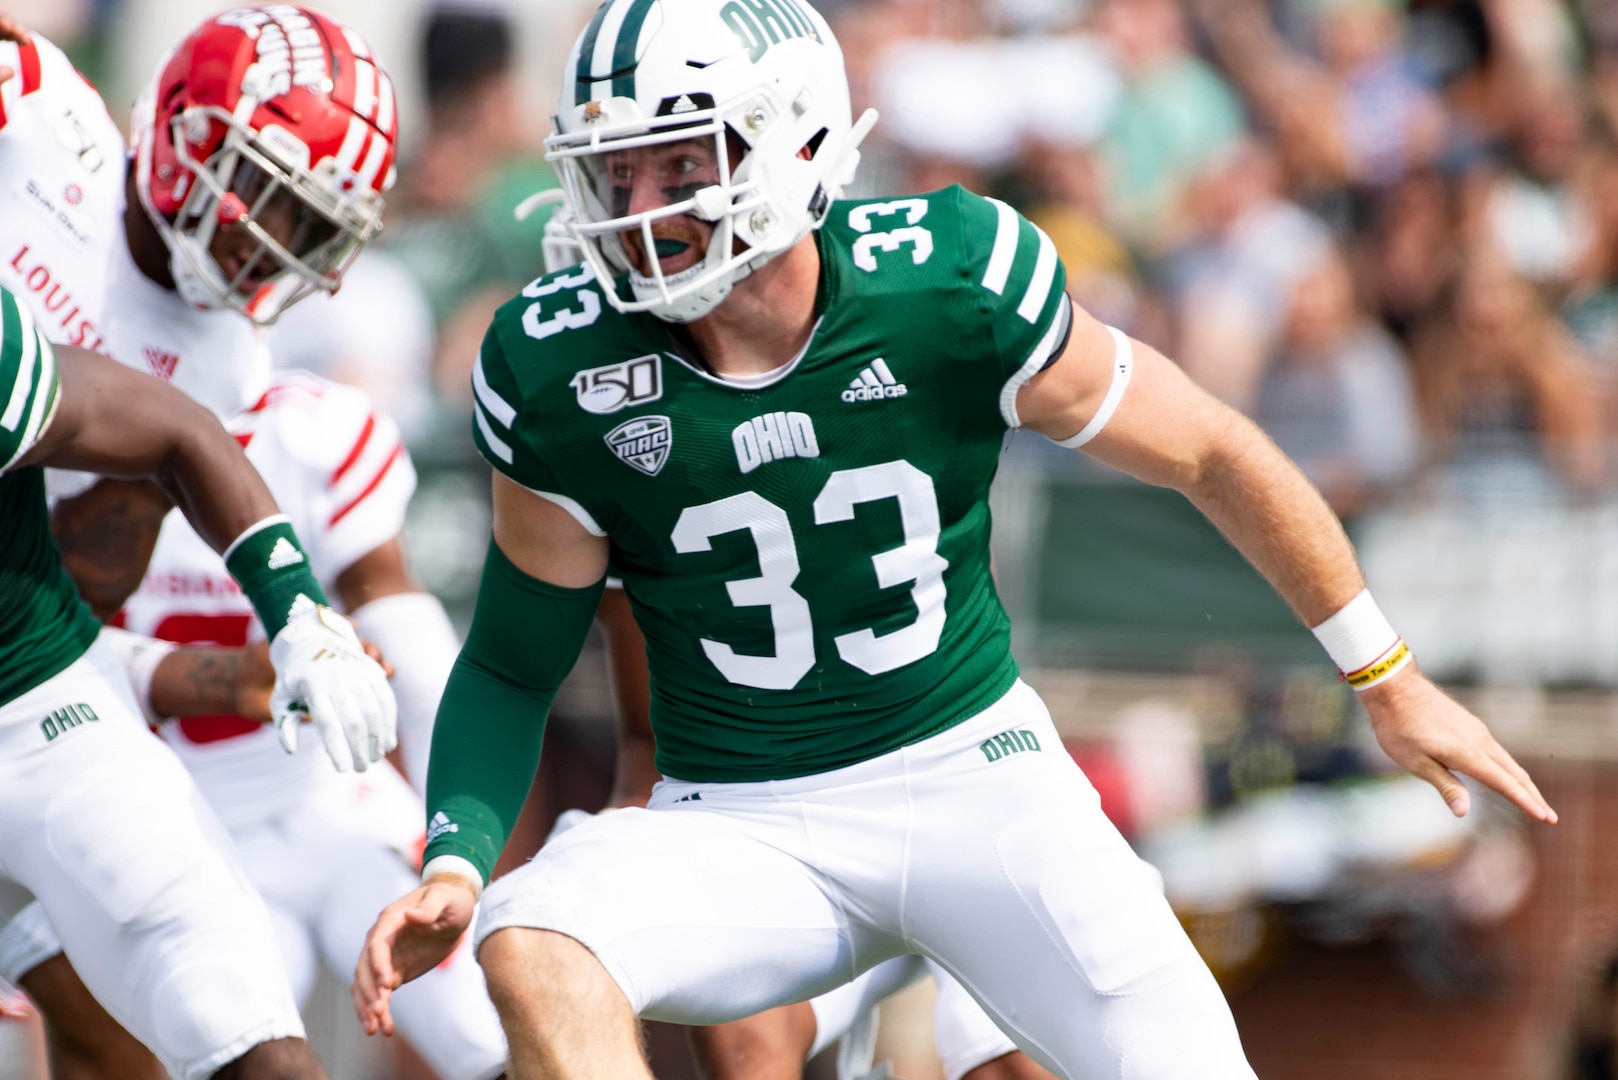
{"points": [[807, 552]]}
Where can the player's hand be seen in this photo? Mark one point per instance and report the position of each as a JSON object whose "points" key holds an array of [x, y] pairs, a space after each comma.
{"points": [[322, 672], [1430, 735], [255, 681], [412, 936], [12, 30]]}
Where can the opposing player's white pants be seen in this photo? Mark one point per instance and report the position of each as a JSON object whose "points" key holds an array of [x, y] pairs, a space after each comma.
{"points": [[983, 848], [104, 827], [963, 1034], [325, 868]]}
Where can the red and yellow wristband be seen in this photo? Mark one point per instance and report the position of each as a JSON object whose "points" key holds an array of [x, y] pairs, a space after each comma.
{"points": [[1362, 643]]}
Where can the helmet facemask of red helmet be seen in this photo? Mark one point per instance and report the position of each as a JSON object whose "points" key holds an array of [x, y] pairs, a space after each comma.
{"points": [[266, 182]]}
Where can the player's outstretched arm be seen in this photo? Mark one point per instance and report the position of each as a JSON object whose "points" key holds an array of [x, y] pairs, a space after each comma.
{"points": [[1169, 432], [108, 419], [117, 422], [541, 585]]}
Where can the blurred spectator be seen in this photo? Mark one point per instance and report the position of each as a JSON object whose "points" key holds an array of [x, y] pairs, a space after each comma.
{"points": [[1409, 249], [1061, 194], [963, 110], [1500, 383], [1175, 117], [1591, 309], [1353, 112], [1337, 396], [1535, 207], [1230, 286], [449, 221]]}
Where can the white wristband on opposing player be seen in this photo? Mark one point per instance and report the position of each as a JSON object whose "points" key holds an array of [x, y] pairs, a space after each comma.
{"points": [[140, 656], [453, 864], [1362, 643]]}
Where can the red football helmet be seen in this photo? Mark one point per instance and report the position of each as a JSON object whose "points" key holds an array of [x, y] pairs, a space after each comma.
{"points": [[263, 147]]}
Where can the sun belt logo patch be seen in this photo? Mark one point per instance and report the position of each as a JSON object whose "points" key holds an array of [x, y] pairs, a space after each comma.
{"points": [[642, 443], [607, 389]]}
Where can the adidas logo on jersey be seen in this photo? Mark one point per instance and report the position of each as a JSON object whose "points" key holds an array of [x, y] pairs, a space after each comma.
{"points": [[440, 825], [875, 383], [772, 437], [283, 555]]}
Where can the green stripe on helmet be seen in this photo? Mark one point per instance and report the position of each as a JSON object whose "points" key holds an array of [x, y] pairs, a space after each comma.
{"points": [[623, 53], [581, 73]]}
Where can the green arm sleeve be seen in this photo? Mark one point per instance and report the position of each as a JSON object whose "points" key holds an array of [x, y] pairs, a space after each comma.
{"points": [[525, 636]]}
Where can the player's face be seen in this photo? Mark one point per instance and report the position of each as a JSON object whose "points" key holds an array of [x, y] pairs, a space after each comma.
{"points": [[650, 178], [246, 263]]}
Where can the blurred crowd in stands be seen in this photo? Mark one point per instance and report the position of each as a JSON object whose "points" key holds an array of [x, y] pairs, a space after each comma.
{"points": [[1388, 229]]}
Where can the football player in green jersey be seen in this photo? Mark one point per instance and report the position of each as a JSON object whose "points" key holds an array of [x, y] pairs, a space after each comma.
{"points": [[104, 827], [779, 414]]}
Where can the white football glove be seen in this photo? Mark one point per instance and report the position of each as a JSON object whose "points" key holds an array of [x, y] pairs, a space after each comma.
{"points": [[321, 671]]}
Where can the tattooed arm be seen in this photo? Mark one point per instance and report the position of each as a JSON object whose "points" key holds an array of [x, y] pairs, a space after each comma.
{"points": [[214, 682], [107, 535], [218, 681]]}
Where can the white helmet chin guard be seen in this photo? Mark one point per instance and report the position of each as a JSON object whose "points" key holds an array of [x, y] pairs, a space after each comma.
{"points": [[743, 104]]}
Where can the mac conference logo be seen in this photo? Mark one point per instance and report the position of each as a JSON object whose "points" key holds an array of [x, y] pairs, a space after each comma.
{"points": [[642, 443]]}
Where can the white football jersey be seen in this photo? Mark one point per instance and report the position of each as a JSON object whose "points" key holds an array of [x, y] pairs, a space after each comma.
{"points": [[64, 251], [340, 471]]}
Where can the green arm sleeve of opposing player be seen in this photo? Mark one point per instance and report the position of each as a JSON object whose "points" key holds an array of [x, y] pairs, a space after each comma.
{"points": [[525, 636]]}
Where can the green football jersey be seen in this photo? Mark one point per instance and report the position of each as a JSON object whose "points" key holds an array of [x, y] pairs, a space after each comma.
{"points": [[44, 626], [807, 552]]}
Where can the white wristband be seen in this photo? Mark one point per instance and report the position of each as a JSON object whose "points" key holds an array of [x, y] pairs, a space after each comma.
{"points": [[1362, 643], [453, 864], [140, 656]]}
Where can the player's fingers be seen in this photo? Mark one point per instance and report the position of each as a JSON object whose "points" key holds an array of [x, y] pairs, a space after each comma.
{"points": [[1510, 764], [347, 709], [424, 914], [375, 971], [329, 723], [388, 710], [385, 1013], [286, 729], [1524, 796], [1454, 793]]}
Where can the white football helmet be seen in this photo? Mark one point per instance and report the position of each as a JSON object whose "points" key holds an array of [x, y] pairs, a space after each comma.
{"points": [[750, 95]]}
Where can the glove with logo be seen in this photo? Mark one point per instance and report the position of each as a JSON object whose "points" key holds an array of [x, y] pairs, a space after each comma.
{"points": [[322, 671]]}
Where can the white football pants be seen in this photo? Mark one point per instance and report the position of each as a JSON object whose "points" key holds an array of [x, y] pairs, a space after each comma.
{"points": [[963, 1034], [982, 848], [325, 868], [105, 828]]}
